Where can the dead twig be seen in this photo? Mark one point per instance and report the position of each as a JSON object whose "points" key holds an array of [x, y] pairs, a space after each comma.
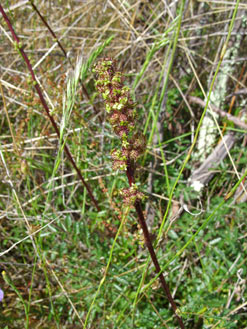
{"points": [[222, 113]]}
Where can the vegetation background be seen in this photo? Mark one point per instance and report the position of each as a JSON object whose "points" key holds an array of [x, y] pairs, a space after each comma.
{"points": [[68, 265]]}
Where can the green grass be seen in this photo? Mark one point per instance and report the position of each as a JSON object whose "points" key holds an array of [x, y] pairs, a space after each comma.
{"points": [[83, 268]]}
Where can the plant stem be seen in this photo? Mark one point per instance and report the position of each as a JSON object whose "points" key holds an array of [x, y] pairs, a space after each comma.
{"points": [[149, 245], [65, 55], [130, 174], [43, 102]]}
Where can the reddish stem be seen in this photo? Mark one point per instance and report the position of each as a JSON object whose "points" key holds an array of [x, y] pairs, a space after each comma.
{"points": [[142, 222], [43, 102], [65, 55], [149, 245], [130, 173]]}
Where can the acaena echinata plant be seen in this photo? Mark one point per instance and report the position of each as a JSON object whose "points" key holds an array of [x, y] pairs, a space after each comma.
{"points": [[122, 115]]}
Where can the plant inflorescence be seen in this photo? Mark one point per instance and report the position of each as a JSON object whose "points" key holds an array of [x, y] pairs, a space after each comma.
{"points": [[122, 115]]}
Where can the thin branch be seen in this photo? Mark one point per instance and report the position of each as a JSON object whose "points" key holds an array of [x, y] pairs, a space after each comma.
{"points": [[222, 113]]}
